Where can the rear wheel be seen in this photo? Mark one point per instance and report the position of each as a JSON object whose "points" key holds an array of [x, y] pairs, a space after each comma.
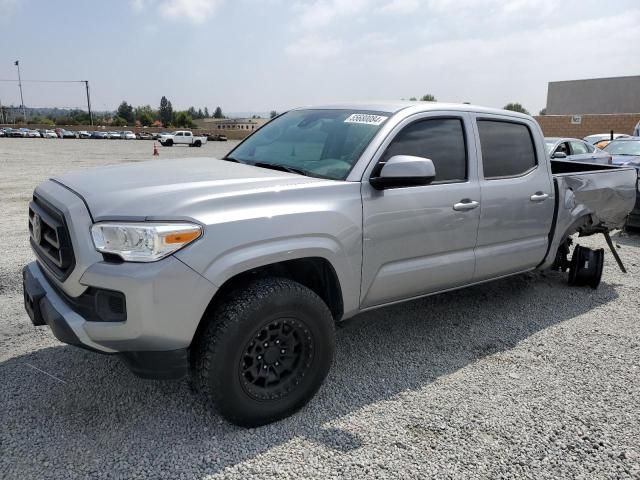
{"points": [[198, 143], [265, 352]]}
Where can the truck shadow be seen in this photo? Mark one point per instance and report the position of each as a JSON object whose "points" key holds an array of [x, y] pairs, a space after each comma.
{"points": [[95, 405]]}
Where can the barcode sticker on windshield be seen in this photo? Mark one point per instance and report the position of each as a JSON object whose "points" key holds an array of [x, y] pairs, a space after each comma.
{"points": [[365, 118]]}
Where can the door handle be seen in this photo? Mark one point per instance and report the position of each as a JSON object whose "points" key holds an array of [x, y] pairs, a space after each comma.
{"points": [[539, 197], [465, 204]]}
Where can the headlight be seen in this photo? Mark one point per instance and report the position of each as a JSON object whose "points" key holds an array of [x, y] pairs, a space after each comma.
{"points": [[143, 242]]}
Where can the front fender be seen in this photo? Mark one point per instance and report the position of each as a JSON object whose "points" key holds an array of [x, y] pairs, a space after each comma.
{"points": [[251, 256]]}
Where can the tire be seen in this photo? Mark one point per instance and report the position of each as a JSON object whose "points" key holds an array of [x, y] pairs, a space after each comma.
{"points": [[168, 143], [230, 360], [198, 143]]}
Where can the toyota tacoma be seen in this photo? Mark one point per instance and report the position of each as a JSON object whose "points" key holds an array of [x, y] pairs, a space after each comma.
{"points": [[236, 270]]}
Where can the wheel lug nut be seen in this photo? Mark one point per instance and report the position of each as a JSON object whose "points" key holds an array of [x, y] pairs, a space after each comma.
{"points": [[259, 357], [277, 363], [266, 344], [282, 351], [265, 367], [277, 342]]}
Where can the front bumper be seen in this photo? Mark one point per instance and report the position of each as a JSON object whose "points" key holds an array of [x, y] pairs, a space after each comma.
{"points": [[165, 302]]}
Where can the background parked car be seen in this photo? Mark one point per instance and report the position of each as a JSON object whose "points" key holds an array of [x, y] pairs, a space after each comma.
{"points": [[113, 135], [575, 150], [159, 135], [33, 134], [216, 137], [49, 134], [19, 133], [626, 151], [600, 140], [83, 134], [144, 136], [128, 135]]}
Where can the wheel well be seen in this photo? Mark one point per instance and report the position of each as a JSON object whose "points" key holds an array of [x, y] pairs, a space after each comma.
{"points": [[315, 273]]}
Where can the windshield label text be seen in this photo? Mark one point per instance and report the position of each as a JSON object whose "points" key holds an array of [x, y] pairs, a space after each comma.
{"points": [[365, 118]]}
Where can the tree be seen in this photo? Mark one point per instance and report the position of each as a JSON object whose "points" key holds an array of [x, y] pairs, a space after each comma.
{"points": [[165, 112], [200, 114], [218, 113], [118, 121], [273, 114], [183, 119], [191, 111], [428, 98], [413, 99], [145, 115], [515, 107], [125, 111], [206, 112], [543, 111]]}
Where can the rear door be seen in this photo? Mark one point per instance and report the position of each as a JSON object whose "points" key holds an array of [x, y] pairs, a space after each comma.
{"points": [[517, 196], [420, 239]]}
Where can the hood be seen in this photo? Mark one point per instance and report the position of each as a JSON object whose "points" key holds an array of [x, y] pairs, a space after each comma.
{"points": [[168, 189]]}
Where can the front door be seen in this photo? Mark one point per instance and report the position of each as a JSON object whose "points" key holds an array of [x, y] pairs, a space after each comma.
{"points": [[421, 239]]}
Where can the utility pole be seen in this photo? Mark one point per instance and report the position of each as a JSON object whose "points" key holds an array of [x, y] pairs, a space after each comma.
{"points": [[24, 110], [1, 113], [86, 84]]}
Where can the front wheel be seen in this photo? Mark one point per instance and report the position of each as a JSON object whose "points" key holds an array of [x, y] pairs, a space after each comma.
{"points": [[265, 351]]}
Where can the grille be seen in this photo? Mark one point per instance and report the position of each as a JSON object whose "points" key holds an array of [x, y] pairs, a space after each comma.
{"points": [[50, 237]]}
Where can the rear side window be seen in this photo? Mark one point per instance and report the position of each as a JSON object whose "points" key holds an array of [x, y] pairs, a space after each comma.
{"points": [[507, 148], [579, 148], [439, 139]]}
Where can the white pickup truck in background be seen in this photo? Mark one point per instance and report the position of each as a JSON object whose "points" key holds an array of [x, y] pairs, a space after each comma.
{"points": [[181, 137]]}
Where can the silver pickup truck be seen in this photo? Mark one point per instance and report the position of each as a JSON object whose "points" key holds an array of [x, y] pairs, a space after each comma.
{"points": [[237, 269]]}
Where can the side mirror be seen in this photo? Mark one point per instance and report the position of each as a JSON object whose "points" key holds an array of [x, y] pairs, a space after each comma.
{"points": [[404, 171], [559, 155]]}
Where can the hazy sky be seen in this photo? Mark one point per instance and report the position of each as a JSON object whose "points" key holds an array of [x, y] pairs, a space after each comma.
{"points": [[250, 55]]}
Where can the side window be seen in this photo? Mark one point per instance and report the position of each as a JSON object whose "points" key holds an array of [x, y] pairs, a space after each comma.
{"points": [[589, 147], [440, 139], [563, 148], [578, 148], [507, 148], [179, 134]]}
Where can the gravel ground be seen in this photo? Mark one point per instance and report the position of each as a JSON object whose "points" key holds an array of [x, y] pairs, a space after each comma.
{"points": [[524, 377]]}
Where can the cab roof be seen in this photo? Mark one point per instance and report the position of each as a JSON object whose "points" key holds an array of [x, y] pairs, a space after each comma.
{"points": [[417, 106]]}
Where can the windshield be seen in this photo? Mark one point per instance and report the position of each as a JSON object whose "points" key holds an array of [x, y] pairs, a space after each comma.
{"points": [[623, 147], [318, 143]]}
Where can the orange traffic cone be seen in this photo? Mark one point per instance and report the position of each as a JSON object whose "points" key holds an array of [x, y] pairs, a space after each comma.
{"points": [[155, 150]]}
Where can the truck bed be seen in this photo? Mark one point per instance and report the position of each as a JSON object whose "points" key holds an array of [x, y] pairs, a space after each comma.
{"points": [[590, 198]]}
